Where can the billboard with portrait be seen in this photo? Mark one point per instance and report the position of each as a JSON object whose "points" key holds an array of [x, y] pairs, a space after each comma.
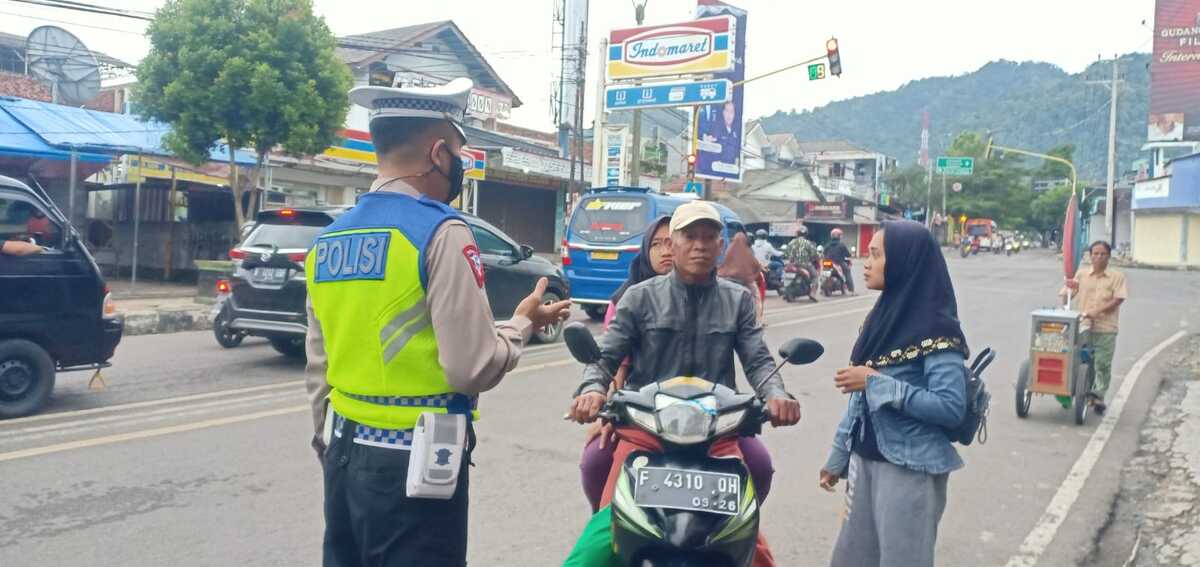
{"points": [[719, 145], [1175, 72]]}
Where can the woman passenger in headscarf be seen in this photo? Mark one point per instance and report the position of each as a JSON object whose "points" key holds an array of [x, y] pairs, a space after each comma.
{"points": [[907, 387], [653, 260]]}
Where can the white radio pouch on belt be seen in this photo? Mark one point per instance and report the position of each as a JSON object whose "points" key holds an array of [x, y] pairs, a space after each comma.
{"points": [[439, 441], [327, 430]]}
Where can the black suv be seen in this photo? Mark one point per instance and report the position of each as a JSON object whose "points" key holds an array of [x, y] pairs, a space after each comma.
{"points": [[265, 295], [56, 314]]}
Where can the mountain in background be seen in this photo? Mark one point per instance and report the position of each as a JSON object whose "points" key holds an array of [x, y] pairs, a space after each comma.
{"points": [[1034, 106]]}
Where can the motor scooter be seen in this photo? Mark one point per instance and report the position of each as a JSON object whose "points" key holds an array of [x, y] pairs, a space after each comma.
{"points": [[832, 278], [681, 499]]}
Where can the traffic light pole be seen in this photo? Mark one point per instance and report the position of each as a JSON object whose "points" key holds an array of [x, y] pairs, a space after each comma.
{"points": [[707, 195], [1074, 176], [780, 70]]}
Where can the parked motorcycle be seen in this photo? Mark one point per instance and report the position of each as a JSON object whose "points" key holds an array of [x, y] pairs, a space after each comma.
{"points": [[832, 278], [685, 502]]}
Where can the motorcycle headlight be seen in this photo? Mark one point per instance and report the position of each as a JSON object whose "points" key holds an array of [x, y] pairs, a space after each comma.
{"points": [[727, 422], [685, 422], [643, 419]]}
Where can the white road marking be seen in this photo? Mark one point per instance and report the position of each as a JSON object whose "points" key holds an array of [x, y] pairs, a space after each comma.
{"points": [[110, 439], [137, 417], [66, 428], [151, 403], [1060, 506], [818, 317]]}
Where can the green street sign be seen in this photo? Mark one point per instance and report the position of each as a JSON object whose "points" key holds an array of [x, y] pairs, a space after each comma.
{"points": [[816, 72], [956, 165]]}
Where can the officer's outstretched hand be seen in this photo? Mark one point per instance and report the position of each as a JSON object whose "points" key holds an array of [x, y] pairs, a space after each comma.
{"points": [[542, 314]]}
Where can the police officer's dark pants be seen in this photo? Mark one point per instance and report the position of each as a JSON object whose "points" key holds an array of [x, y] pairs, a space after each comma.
{"points": [[369, 521]]}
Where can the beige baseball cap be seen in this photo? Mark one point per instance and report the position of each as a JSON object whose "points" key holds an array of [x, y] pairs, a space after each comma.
{"points": [[695, 211]]}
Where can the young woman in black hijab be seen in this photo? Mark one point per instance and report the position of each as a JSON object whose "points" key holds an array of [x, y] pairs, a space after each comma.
{"points": [[906, 387]]}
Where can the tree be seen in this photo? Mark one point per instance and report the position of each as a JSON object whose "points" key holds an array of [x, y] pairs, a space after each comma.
{"points": [[999, 188], [909, 186], [1057, 170], [1050, 208], [251, 73]]}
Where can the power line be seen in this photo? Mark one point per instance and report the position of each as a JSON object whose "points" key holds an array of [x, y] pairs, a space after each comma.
{"points": [[91, 8], [43, 19]]}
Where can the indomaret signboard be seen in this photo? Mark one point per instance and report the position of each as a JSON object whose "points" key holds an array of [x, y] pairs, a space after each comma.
{"points": [[695, 47]]}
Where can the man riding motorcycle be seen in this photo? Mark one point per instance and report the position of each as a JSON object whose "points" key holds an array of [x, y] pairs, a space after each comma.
{"points": [[838, 252], [803, 254], [699, 322], [763, 249]]}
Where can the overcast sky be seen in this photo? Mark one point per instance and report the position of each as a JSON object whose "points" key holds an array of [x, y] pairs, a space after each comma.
{"points": [[884, 43]]}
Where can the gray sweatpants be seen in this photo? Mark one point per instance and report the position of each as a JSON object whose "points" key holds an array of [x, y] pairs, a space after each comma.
{"points": [[891, 518]]}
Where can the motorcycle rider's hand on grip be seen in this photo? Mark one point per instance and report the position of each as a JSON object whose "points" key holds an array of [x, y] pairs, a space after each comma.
{"points": [[783, 411], [587, 406]]}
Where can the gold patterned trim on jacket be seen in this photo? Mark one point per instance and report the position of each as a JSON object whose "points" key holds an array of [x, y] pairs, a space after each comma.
{"points": [[913, 352]]}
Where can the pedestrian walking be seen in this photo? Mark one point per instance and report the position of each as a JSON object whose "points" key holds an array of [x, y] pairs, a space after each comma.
{"points": [[741, 267], [906, 387], [1099, 292], [400, 334]]}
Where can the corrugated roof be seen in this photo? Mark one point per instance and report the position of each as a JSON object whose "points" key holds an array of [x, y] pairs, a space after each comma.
{"points": [[385, 39], [18, 42], [486, 139], [67, 127], [361, 49]]}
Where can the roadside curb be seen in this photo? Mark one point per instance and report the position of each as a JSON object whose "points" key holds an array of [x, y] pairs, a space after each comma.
{"points": [[197, 318]]}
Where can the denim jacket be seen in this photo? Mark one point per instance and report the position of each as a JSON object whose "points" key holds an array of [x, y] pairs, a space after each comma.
{"points": [[912, 406]]}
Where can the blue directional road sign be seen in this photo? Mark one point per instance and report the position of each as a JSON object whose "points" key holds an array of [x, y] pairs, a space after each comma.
{"points": [[694, 187], [656, 95]]}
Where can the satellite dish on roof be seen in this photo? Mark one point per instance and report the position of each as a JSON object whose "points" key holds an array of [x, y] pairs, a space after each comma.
{"points": [[59, 58]]}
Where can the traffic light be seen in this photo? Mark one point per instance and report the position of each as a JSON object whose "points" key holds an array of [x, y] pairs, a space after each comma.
{"points": [[987, 152], [691, 166], [835, 58]]}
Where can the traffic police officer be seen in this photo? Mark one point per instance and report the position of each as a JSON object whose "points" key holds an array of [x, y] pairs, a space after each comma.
{"points": [[398, 326]]}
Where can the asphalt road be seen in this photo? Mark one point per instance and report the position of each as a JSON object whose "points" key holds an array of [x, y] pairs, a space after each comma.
{"points": [[197, 455]]}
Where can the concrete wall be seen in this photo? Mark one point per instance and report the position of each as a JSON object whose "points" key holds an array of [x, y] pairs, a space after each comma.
{"points": [[1193, 247], [1157, 238]]}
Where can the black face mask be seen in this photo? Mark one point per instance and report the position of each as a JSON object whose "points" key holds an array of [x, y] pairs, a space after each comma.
{"points": [[455, 177]]}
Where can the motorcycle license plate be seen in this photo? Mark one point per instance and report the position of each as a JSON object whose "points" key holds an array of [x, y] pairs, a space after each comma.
{"points": [[788, 278], [827, 273], [268, 275], [598, 255], [660, 487]]}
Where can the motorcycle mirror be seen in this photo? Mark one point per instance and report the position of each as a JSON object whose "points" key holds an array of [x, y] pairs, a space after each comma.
{"points": [[581, 343], [801, 351]]}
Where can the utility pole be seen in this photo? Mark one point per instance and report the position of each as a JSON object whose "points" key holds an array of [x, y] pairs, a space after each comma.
{"points": [[635, 172], [1109, 221], [574, 188], [929, 196], [598, 131], [943, 197], [1110, 224]]}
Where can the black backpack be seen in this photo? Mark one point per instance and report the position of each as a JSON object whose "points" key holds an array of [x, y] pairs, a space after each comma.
{"points": [[974, 423]]}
